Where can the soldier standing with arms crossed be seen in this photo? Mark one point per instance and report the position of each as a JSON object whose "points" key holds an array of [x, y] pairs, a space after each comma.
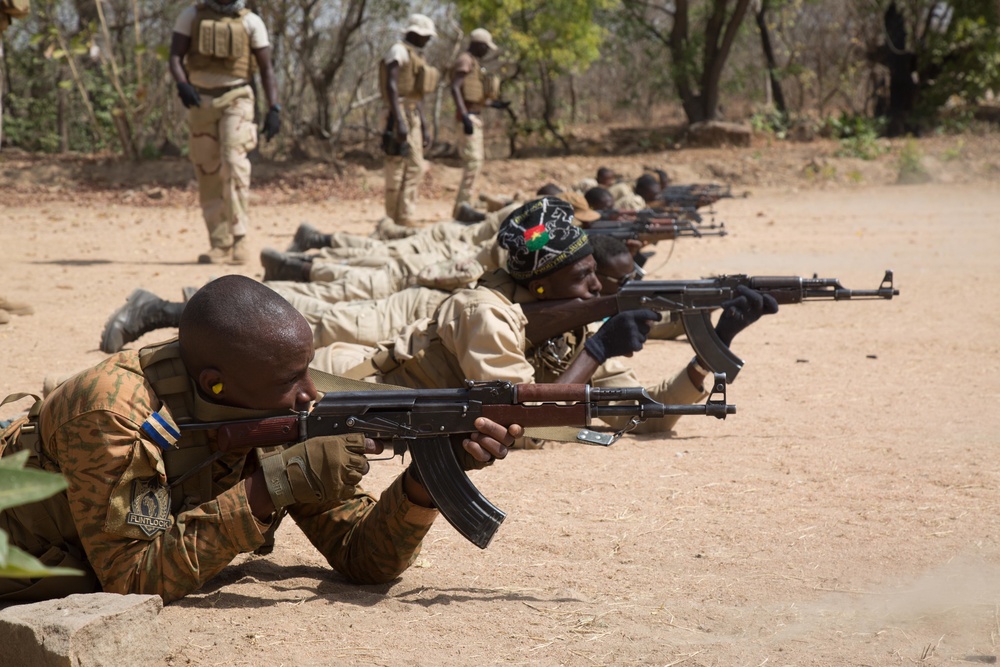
{"points": [[212, 55], [472, 89], [404, 78]]}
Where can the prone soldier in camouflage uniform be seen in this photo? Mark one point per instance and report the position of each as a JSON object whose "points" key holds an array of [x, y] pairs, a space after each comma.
{"points": [[156, 510], [214, 48]]}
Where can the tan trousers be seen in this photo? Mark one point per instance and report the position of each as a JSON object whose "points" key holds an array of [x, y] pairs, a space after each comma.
{"points": [[222, 133], [365, 322], [403, 174], [472, 154]]}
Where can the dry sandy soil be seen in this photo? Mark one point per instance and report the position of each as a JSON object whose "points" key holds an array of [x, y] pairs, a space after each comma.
{"points": [[846, 515]]}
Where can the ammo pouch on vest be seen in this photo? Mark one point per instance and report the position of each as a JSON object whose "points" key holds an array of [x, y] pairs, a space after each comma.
{"points": [[222, 39], [16, 9], [220, 45], [491, 86], [415, 79]]}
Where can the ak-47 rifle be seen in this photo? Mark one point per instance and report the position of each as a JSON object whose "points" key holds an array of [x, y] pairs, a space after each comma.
{"points": [[423, 421], [693, 300], [697, 195], [662, 214], [652, 230]]}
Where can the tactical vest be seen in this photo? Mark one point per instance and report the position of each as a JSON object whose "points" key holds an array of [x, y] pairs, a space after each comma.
{"points": [[15, 9], [478, 86], [416, 77], [220, 44]]}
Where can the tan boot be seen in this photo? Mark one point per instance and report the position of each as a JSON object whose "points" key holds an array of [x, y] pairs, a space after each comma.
{"points": [[4, 317], [214, 256], [241, 251], [15, 307]]}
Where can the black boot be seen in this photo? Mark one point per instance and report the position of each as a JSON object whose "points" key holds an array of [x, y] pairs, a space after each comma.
{"points": [[143, 312], [308, 237], [282, 266], [467, 214]]}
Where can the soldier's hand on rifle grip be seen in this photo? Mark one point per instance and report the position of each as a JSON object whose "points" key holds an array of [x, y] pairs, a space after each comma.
{"points": [[621, 335], [491, 442], [318, 470], [743, 310]]}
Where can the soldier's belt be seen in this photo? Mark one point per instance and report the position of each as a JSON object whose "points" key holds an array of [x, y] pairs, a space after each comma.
{"points": [[219, 92]]}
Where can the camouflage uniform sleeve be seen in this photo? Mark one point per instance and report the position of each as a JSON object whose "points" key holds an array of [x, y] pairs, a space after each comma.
{"points": [[368, 542], [102, 458]]}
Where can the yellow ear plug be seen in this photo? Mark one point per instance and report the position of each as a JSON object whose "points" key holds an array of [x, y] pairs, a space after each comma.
{"points": [[217, 388], [540, 289]]}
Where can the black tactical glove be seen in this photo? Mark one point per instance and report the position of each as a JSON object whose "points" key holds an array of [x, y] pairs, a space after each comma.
{"points": [[189, 96], [743, 310], [467, 124], [500, 104], [272, 122], [318, 470], [621, 335]]}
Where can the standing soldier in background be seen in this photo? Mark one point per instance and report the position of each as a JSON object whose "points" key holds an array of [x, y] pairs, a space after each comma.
{"points": [[472, 89], [212, 54], [404, 78], [9, 10]]}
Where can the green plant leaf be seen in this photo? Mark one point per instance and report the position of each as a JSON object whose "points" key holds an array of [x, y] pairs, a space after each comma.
{"points": [[22, 566], [14, 461], [18, 487], [4, 547]]}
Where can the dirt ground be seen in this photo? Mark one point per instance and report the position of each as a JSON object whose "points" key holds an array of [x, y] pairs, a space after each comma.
{"points": [[846, 515]]}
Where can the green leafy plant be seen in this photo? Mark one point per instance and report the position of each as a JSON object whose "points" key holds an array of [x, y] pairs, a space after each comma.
{"points": [[19, 486], [911, 169], [771, 122], [858, 135], [954, 153]]}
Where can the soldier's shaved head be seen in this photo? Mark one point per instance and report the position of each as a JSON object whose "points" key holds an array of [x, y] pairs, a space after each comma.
{"points": [[599, 199], [236, 320]]}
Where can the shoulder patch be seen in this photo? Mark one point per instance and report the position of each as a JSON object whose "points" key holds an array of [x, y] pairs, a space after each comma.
{"points": [[150, 507], [161, 429]]}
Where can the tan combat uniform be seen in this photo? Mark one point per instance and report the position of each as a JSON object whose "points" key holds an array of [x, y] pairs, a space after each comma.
{"points": [[478, 334], [364, 322], [222, 128], [478, 88], [440, 257], [404, 173], [442, 237], [113, 439], [625, 198]]}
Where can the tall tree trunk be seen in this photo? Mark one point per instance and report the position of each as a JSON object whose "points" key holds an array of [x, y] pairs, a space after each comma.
{"points": [[549, 103], [720, 33], [772, 65]]}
